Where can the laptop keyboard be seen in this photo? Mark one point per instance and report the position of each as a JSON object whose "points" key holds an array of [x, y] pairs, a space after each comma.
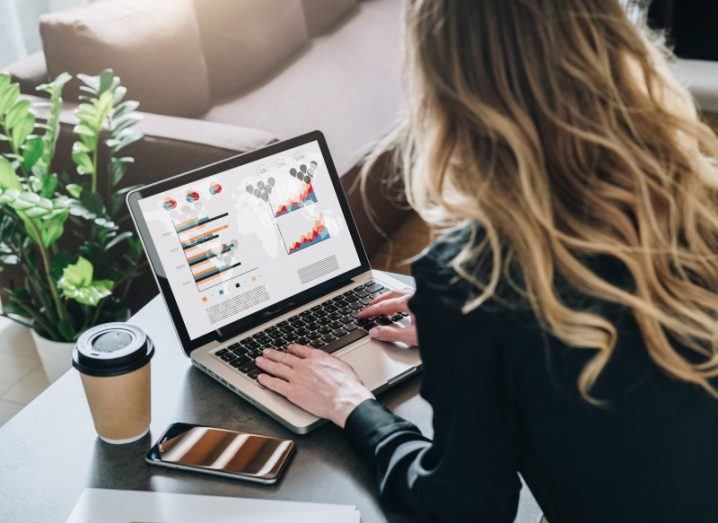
{"points": [[329, 326]]}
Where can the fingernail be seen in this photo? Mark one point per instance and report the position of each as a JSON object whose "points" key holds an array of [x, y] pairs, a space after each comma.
{"points": [[374, 332], [265, 351], [259, 359]]}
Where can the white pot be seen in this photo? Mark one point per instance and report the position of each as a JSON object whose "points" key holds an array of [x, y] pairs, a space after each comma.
{"points": [[56, 356]]}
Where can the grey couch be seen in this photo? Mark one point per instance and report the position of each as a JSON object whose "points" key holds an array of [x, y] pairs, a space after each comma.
{"points": [[339, 71]]}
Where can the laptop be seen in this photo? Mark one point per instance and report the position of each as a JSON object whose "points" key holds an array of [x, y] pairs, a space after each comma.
{"points": [[261, 250]]}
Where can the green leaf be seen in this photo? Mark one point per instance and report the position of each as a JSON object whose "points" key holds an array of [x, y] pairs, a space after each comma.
{"points": [[93, 82], [83, 162], [22, 130], [106, 80], [74, 189], [67, 329], [8, 178], [78, 274], [56, 85], [48, 184], [17, 113], [92, 202], [117, 239], [59, 262], [125, 108], [11, 307], [31, 153], [84, 130], [8, 96], [77, 284]]}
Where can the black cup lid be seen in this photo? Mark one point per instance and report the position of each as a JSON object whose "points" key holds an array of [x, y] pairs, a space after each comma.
{"points": [[112, 349]]}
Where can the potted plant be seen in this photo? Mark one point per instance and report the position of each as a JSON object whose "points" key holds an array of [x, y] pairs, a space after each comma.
{"points": [[68, 256]]}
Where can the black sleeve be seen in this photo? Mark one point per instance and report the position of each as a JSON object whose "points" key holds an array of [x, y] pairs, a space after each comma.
{"points": [[468, 471]]}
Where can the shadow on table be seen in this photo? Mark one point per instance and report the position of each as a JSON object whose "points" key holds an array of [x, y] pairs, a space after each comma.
{"points": [[121, 466]]}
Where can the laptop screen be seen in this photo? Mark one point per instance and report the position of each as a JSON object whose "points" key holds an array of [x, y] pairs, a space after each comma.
{"points": [[236, 242]]}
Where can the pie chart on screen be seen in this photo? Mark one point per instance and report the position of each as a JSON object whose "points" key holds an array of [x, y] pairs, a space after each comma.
{"points": [[169, 204], [215, 188], [192, 196]]}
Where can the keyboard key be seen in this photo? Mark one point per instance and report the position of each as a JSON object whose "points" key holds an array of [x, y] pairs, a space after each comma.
{"points": [[248, 367], [344, 341], [365, 301], [253, 374], [339, 333], [347, 319], [328, 337], [350, 327], [373, 287], [228, 356], [383, 320], [362, 294], [317, 344], [221, 352], [398, 316], [241, 360]]}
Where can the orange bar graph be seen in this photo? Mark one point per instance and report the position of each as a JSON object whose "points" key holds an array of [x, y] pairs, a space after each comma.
{"points": [[206, 233]]}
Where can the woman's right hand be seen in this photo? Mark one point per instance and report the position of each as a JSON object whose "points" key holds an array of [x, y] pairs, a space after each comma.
{"points": [[390, 303]]}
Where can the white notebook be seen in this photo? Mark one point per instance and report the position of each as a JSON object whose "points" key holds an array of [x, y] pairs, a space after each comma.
{"points": [[130, 506]]}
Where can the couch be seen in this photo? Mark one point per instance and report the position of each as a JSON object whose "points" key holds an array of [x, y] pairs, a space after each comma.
{"points": [[213, 80]]}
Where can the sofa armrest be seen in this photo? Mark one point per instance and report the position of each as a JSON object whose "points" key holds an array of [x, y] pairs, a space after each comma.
{"points": [[29, 72], [171, 145]]}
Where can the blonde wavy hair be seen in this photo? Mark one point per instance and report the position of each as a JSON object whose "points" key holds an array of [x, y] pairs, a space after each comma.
{"points": [[557, 130]]}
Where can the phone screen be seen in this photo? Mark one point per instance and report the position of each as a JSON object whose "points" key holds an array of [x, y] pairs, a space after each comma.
{"points": [[224, 451]]}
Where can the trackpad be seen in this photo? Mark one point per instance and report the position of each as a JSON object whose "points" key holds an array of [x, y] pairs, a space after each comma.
{"points": [[376, 363]]}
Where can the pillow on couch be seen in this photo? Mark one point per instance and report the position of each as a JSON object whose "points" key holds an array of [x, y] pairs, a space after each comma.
{"points": [[153, 46], [245, 41]]}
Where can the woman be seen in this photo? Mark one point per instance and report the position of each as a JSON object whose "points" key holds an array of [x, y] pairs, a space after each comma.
{"points": [[568, 321]]}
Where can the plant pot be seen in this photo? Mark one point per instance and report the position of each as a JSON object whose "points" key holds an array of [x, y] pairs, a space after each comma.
{"points": [[55, 356]]}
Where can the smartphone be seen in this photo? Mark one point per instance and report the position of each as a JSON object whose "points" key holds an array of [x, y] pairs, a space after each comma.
{"points": [[220, 452]]}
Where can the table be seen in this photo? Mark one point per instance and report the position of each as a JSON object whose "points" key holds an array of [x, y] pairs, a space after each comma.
{"points": [[49, 452]]}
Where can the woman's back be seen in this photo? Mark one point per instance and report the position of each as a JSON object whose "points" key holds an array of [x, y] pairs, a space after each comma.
{"points": [[646, 453]]}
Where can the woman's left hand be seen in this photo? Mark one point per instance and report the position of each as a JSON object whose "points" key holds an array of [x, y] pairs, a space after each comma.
{"points": [[313, 380]]}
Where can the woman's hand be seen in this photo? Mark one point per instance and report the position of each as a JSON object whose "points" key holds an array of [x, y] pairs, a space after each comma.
{"points": [[390, 303], [314, 380]]}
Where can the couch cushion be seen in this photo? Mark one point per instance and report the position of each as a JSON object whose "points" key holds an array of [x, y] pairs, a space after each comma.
{"points": [[701, 77], [245, 40], [322, 15], [347, 84], [153, 46]]}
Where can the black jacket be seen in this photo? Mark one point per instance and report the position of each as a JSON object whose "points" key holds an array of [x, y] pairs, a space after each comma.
{"points": [[505, 400]]}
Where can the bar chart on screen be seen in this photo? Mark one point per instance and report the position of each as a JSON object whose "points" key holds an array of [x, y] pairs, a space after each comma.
{"points": [[211, 253]]}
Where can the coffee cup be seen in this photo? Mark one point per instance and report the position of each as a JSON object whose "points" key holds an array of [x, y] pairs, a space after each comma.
{"points": [[114, 364]]}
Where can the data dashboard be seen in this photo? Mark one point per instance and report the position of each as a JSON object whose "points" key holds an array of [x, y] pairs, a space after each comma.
{"points": [[241, 240]]}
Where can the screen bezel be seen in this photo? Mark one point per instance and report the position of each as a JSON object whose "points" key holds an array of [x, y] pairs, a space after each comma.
{"points": [[272, 311], [177, 428]]}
